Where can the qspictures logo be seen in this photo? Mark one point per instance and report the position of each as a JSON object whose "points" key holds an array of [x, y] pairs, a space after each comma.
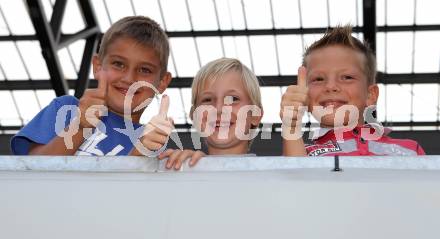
{"points": [[346, 118]]}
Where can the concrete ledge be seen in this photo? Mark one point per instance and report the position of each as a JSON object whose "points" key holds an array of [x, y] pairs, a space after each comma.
{"points": [[143, 164], [250, 197]]}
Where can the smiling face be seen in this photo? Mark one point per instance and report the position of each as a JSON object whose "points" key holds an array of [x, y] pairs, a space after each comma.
{"points": [[126, 62], [226, 92], [336, 77]]}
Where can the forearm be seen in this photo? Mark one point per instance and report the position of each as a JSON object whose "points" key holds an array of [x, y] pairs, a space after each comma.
{"points": [[294, 147], [293, 143], [135, 152], [58, 146]]}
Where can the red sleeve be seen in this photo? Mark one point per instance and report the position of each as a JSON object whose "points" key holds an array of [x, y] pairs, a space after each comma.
{"points": [[420, 150]]}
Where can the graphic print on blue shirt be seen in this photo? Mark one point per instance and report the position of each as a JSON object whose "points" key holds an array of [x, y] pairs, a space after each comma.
{"points": [[41, 130]]}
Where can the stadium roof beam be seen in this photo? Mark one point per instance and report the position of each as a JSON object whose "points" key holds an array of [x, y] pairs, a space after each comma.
{"points": [[251, 32], [275, 80], [51, 40], [369, 19], [48, 44]]}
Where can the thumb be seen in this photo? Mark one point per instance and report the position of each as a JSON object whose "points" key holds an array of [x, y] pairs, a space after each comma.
{"points": [[102, 84], [302, 77], [164, 106]]}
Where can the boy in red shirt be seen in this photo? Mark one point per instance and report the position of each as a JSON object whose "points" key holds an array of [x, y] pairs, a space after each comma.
{"points": [[337, 83]]}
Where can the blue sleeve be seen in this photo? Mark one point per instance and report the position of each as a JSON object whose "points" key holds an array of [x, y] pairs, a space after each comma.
{"points": [[41, 129]]}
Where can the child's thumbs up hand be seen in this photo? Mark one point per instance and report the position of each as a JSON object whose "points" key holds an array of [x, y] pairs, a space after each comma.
{"points": [[294, 98], [159, 128], [92, 104]]}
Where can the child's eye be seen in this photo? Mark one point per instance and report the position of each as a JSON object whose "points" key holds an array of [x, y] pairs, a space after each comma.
{"points": [[205, 100], [317, 79], [118, 64], [230, 99], [347, 77], [145, 70]]}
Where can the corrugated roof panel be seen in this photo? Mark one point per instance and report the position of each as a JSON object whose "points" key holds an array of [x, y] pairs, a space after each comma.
{"points": [[203, 15], [118, 9], [403, 16], [76, 51], [380, 12], [398, 102], [33, 59], [380, 51], [230, 14], [264, 55], [3, 27], [210, 48], [176, 15], [427, 12], [381, 106], [45, 97], [186, 92], [27, 103], [66, 64], [148, 8], [399, 52], [427, 51], [290, 52], [286, 14], [238, 47], [17, 17], [101, 14], [72, 19], [185, 55], [258, 14], [314, 13], [425, 106], [9, 115], [343, 12], [11, 62]]}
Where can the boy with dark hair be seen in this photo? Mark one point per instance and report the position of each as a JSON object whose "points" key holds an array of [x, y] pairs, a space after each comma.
{"points": [[337, 83], [133, 52]]}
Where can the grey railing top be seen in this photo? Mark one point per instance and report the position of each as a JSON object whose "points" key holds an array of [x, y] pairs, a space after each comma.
{"points": [[224, 163]]}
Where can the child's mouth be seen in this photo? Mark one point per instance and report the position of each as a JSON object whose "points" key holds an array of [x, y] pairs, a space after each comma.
{"points": [[124, 91], [218, 124], [332, 103]]}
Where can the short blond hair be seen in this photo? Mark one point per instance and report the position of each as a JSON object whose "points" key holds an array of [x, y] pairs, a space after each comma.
{"points": [[214, 70], [341, 36], [144, 31]]}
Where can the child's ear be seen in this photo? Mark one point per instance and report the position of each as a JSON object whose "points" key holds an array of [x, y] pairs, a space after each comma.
{"points": [[373, 94], [97, 64], [255, 120], [164, 82]]}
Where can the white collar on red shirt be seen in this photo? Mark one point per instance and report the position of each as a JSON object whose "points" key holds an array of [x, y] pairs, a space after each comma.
{"points": [[319, 132]]}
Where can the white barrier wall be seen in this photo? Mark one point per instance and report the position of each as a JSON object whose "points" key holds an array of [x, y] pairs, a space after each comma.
{"points": [[130, 197]]}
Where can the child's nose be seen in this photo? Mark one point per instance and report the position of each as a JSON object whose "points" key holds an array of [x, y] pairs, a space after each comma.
{"points": [[331, 84], [128, 77], [218, 106], [227, 101]]}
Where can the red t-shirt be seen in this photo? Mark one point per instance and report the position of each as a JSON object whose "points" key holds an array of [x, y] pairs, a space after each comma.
{"points": [[359, 142]]}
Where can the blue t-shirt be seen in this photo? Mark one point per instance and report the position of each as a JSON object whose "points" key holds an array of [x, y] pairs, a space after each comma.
{"points": [[42, 129]]}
